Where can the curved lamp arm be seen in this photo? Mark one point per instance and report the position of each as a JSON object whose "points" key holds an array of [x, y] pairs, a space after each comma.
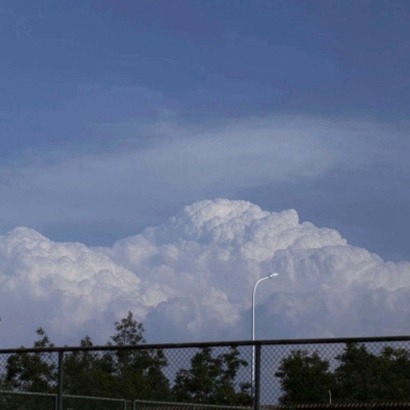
{"points": [[270, 276]]}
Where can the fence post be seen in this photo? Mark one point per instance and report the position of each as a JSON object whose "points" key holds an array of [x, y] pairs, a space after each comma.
{"points": [[257, 375], [60, 380]]}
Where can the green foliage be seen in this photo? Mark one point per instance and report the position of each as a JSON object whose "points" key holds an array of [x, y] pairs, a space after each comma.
{"points": [[89, 373], [34, 372], [365, 377], [396, 364], [135, 372], [129, 374], [129, 332], [126, 374], [360, 377], [211, 380], [138, 372], [305, 378]]}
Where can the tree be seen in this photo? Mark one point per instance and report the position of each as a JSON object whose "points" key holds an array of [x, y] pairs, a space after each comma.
{"points": [[138, 371], [89, 373], [32, 371], [211, 379], [395, 365], [366, 377], [305, 378], [123, 373], [360, 377]]}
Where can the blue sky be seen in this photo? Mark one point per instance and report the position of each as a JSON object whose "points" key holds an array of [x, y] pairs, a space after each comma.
{"points": [[115, 114]]}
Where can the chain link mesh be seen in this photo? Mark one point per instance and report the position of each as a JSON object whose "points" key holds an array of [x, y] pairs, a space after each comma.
{"points": [[363, 374], [351, 374]]}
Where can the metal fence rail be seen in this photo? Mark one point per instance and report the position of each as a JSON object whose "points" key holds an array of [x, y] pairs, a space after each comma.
{"points": [[10, 400], [27, 401], [361, 373], [158, 405]]}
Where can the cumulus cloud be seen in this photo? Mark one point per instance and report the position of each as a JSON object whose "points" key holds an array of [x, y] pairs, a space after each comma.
{"points": [[191, 278]]}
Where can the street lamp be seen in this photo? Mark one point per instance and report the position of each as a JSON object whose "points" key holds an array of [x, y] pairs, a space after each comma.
{"points": [[270, 276]]}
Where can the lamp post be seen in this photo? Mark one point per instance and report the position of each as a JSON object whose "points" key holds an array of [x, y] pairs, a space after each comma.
{"points": [[270, 276]]}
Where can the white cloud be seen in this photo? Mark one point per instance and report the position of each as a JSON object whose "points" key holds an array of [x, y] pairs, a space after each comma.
{"points": [[191, 279]]}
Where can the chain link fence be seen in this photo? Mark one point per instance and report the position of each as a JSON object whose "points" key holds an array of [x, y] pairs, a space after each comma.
{"points": [[265, 375]]}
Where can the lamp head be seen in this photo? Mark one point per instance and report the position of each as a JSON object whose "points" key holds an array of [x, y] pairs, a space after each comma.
{"points": [[272, 275]]}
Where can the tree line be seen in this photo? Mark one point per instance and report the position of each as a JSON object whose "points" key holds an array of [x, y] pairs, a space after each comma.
{"points": [[356, 376], [129, 374]]}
